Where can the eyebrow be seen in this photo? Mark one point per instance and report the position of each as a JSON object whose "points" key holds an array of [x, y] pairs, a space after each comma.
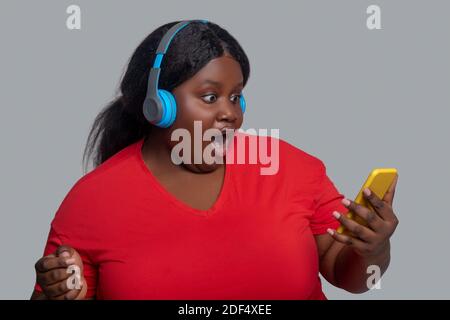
{"points": [[218, 84]]}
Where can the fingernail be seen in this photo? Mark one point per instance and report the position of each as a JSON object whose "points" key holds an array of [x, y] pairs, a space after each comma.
{"points": [[70, 261], [336, 214], [345, 202], [65, 254], [330, 231], [367, 191]]}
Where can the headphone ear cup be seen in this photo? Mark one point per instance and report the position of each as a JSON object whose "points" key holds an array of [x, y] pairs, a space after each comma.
{"points": [[169, 108], [242, 103]]}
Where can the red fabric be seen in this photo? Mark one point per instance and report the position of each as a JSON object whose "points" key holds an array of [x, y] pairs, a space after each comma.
{"points": [[138, 241]]}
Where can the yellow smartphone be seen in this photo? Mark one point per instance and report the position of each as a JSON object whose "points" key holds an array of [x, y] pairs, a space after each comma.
{"points": [[378, 181]]}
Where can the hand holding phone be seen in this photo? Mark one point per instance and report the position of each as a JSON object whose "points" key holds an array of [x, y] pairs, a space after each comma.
{"points": [[378, 181]]}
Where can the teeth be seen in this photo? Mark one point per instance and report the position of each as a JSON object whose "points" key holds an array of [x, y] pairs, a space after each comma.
{"points": [[219, 141], [221, 144]]}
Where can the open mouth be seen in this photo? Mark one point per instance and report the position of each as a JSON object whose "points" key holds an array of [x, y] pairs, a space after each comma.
{"points": [[222, 141]]}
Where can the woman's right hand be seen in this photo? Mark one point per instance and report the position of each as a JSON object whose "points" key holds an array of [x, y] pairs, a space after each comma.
{"points": [[52, 274]]}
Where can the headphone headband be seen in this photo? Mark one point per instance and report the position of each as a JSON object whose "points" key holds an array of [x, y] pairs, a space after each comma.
{"points": [[161, 51], [167, 39], [152, 112]]}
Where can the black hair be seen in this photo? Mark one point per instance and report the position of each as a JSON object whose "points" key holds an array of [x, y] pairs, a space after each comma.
{"points": [[122, 121]]}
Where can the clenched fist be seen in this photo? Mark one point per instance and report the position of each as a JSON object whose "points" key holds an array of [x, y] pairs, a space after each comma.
{"points": [[60, 275]]}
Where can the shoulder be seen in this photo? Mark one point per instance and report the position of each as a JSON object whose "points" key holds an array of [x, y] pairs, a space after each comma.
{"points": [[112, 169], [304, 171], [95, 191], [290, 162], [284, 148], [293, 154]]}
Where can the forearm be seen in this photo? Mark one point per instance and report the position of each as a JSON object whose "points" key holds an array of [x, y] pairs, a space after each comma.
{"points": [[351, 269], [38, 296]]}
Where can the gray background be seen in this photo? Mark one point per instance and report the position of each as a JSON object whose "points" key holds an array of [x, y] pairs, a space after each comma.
{"points": [[355, 98]]}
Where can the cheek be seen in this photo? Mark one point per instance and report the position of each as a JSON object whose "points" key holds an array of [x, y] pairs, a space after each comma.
{"points": [[240, 120], [190, 109]]}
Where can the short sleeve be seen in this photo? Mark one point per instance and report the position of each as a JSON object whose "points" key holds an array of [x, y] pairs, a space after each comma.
{"points": [[326, 200], [89, 270]]}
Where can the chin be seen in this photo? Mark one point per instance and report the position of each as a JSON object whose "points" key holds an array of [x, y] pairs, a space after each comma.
{"points": [[205, 168], [202, 168]]}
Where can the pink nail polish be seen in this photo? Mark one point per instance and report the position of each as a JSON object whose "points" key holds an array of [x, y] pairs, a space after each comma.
{"points": [[336, 214], [330, 231], [345, 202]]}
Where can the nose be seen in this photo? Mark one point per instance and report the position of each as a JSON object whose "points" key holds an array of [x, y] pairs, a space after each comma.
{"points": [[228, 112]]}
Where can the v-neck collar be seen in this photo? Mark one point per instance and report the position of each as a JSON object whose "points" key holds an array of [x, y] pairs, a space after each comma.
{"points": [[170, 197]]}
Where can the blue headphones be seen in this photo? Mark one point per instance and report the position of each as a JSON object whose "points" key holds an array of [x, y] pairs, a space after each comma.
{"points": [[160, 107]]}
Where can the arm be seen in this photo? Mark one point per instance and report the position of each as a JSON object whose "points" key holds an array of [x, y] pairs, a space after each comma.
{"points": [[344, 260], [38, 296], [344, 268], [41, 296]]}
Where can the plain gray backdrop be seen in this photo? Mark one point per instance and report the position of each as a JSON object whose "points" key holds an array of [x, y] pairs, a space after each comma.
{"points": [[355, 98]]}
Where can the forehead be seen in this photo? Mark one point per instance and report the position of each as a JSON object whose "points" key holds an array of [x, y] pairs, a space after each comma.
{"points": [[223, 70]]}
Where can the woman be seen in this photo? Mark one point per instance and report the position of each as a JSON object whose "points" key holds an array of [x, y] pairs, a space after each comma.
{"points": [[140, 226]]}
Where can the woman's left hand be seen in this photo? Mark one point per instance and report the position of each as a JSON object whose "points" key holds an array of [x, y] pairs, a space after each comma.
{"points": [[381, 223]]}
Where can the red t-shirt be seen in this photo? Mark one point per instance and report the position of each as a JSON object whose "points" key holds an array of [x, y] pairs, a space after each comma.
{"points": [[138, 241]]}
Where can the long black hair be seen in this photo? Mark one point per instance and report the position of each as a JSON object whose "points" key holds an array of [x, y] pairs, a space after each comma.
{"points": [[122, 121]]}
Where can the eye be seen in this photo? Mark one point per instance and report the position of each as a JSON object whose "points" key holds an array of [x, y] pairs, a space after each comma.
{"points": [[209, 98], [236, 98]]}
